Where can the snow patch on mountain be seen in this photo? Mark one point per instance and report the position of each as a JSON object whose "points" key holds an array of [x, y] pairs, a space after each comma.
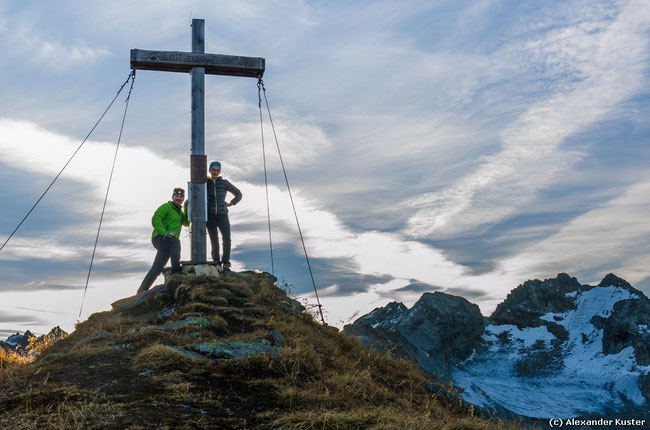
{"points": [[13, 339], [589, 380]]}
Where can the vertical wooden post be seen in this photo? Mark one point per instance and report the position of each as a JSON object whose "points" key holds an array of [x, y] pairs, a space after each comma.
{"points": [[198, 160]]}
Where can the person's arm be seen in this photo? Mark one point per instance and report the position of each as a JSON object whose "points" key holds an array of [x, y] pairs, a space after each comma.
{"points": [[233, 189], [157, 220]]}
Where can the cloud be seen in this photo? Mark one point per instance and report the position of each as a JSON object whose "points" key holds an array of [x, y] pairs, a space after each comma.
{"points": [[40, 310], [599, 67], [27, 146], [24, 35], [3, 18], [64, 57], [22, 248], [301, 144], [41, 274], [611, 238], [419, 287], [19, 319]]}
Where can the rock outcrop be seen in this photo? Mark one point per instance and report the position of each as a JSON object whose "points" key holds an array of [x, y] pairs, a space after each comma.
{"points": [[628, 326], [439, 331], [525, 304]]}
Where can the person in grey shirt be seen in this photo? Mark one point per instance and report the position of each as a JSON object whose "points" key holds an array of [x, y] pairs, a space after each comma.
{"points": [[218, 220]]}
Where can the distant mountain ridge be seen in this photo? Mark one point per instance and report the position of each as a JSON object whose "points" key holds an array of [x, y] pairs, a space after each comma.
{"points": [[575, 349], [27, 344]]}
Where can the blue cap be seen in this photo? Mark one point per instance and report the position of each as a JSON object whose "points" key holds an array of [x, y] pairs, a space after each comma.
{"points": [[215, 164]]}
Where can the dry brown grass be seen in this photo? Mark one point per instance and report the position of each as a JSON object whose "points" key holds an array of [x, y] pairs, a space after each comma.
{"points": [[57, 406], [159, 356], [93, 351], [379, 418], [12, 359], [109, 321]]}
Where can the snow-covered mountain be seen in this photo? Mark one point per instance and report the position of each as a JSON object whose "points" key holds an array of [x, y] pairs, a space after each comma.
{"points": [[27, 344], [551, 349]]}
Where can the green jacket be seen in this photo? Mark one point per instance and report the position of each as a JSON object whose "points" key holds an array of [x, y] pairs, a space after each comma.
{"points": [[169, 218]]}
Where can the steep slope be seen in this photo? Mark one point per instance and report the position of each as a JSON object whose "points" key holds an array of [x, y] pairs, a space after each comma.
{"points": [[578, 350], [227, 352]]}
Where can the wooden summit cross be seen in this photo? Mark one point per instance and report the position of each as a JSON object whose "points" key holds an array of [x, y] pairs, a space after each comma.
{"points": [[198, 63]]}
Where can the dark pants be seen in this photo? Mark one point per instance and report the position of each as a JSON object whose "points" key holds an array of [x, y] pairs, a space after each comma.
{"points": [[167, 246], [221, 222]]}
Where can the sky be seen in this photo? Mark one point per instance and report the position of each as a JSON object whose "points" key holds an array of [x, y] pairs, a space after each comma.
{"points": [[454, 146]]}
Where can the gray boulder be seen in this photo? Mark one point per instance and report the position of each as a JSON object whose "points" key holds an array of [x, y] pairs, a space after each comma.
{"points": [[437, 332]]}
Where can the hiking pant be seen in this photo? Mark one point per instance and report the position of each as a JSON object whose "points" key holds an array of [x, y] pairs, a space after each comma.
{"points": [[222, 222], [168, 247]]}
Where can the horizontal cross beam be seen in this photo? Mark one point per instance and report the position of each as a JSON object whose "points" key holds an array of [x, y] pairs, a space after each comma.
{"points": [[214, 64]]}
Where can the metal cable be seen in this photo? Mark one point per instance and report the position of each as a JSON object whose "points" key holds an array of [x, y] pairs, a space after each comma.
{"points": [[66, 164], [108, 187], [266, 181], [302, 240]]}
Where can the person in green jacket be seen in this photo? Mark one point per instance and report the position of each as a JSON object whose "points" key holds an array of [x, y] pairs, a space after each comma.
{"points": [[167, 222]]}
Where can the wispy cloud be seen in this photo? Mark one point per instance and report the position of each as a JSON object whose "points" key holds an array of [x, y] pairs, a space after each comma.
{"points": [[602, 65], [610, 238], [64, 57], [301, 145], [22, 248], [57, 55], [19, 318], [40, 310]]}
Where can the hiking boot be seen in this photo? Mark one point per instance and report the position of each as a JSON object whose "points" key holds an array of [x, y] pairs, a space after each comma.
{"points": [[225, 266]]}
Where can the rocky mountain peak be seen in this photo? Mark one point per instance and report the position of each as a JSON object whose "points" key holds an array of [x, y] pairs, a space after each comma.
{"points": [[612, 279], [27, 344], [525, 304], [386, 315], [439, 330], [55, 334], [441, 302]]}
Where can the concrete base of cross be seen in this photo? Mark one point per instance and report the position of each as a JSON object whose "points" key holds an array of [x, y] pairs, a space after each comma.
{"points": [[198, 268]]}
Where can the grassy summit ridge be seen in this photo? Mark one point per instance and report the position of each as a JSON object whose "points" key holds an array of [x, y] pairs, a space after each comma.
{"points": [[227, 352]]}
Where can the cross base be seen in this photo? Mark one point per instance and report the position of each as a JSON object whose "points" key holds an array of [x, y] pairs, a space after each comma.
{"points": [[198, 268]]}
